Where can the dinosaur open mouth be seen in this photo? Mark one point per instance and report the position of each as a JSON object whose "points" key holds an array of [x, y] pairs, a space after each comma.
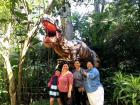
{"points": [[51, 34], [49, 27], [49, 40]]}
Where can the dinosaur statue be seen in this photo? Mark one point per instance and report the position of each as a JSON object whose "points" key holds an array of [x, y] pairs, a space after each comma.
{"points": [[67, 50]]}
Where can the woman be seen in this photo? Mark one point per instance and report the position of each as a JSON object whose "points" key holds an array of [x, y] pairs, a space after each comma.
{"points": [[94, 88], [65, 84], [79, 92], [54, 93]]}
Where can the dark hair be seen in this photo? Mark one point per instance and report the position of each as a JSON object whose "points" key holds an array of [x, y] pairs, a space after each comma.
{"points": [[65, 62], [92, 62], [58, 69], [76, 60]]}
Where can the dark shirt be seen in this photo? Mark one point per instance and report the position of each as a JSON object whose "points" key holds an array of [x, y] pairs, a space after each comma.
{"points": [[54, 80], [78, 78]]}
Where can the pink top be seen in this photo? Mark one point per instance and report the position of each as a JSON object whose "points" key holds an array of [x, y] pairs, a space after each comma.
{"points": [[64, 81]]}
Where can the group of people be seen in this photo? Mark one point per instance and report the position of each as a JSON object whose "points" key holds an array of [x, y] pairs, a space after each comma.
{"points": [[76, 87]]}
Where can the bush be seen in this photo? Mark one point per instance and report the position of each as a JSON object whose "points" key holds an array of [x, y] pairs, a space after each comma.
{"points": [[4, 95], [127, 89]]}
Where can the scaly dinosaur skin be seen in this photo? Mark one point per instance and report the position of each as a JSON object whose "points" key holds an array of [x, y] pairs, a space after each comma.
{"points": [[67, 50]]}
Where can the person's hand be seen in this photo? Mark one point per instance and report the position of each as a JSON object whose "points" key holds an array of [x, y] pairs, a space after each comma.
{"points": [[82, 89], [69, 94], [84, 73], [49, 85]]}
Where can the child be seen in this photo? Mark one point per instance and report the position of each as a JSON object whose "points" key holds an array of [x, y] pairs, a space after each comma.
{"points": [[54, 93]]}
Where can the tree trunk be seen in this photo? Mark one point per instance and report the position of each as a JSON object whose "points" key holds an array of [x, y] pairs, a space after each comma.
{"points": [[96, 6], [5, 53], [103, 5], [26, 45], [49, 7], [22, 58], [19, 86], [69, 30], [66, 22], [12, 88]]}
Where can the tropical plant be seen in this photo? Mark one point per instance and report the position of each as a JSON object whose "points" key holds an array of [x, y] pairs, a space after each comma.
{"points": [[19, 24], [127, 89]]}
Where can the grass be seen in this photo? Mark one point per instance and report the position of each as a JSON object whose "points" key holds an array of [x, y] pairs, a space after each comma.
{"points": [[42, 102]]}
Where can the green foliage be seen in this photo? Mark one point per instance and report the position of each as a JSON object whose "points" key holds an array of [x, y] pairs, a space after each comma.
{"points": [[115, 32], [4, 96], [23, 14], [123, 46], [20, 15], [127, 89], [43, 102], [5, 10], [122, 43], [115, 35], [40, 103], [107, 75], [38, 68]]}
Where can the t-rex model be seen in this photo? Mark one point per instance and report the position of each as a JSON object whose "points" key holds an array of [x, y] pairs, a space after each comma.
{"points": [[67, 50]]}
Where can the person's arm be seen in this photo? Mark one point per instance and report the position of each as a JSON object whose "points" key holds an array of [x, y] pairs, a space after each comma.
{"points": [[91, 75], [70, 90], [49, 83], [70, 80], [82, 89], [82, 77]]}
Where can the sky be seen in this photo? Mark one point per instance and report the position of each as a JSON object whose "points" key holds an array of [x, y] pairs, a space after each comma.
{"points": [[83, 8]]}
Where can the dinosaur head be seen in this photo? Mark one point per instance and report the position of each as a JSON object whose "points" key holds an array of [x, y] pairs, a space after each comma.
{"points": [[53, 33]]}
